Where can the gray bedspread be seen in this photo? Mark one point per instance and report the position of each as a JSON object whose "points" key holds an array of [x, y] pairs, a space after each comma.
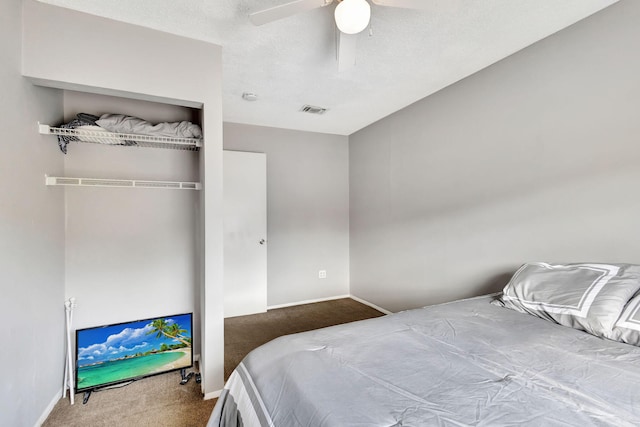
{"points": [[468, 363]]}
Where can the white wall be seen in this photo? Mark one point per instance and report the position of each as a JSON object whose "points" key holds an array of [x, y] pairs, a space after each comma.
{"points": [[135, 62], [307, 210], [534, 158], [31, 238], [130, 253]]}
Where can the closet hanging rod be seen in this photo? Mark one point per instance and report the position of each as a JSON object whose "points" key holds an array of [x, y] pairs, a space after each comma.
{"points": [[123, 139], [122, 183]]}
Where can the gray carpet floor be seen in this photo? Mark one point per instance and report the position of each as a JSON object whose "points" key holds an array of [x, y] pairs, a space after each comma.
{"points": [[161, 401]]}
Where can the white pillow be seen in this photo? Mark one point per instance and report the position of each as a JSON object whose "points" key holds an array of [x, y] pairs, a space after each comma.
{"points": [[627, 328], [588, 297]]}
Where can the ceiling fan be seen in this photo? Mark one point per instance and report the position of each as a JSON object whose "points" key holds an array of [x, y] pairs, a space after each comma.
{"points": [[351, 17]]}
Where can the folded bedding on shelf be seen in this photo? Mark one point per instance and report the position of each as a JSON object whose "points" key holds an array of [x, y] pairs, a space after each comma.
{"points": [[95, 136], [120, 123], [86, 124], [81, 119]]}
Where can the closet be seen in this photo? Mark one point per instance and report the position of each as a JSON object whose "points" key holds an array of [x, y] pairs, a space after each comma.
{"points": [[130, 253]]}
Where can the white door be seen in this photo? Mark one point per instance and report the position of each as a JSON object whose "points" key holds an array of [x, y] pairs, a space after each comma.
{"points": [[245, 233]]}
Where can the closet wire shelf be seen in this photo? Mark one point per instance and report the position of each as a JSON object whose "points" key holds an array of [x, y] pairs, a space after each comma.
{"points": [[124, 139], [122, 183]]}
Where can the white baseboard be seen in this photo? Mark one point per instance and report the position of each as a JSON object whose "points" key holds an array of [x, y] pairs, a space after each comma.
{"points": [[212, 395], [310, 301], [372, 305], [49, 408]]}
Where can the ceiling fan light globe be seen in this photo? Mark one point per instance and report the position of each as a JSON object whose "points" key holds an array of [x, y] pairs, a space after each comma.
{"points": [[352, 16]]}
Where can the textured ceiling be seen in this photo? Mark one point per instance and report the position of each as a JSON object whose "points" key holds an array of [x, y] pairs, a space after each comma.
{"points": [[407, 55]]}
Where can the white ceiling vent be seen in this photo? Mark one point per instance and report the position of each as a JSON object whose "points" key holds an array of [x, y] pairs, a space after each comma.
{"points": [[312, 109]]}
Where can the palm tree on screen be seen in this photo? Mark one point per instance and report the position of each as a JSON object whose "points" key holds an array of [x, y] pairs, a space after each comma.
{"points": [[159, 328], [169, 330], [175, 331]]}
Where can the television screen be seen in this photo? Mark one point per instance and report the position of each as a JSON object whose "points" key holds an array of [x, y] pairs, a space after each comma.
{"points": [[112, 354]]}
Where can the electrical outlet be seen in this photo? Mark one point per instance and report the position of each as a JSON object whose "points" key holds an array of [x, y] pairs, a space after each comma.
{"points": [[322, 274]]}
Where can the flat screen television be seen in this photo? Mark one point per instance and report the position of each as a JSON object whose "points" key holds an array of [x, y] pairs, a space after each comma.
{"points": [[113, 354]]}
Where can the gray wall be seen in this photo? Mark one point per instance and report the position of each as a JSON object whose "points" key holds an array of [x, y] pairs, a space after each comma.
{"points": [[31, 238], [307, 210], [534, 158]]}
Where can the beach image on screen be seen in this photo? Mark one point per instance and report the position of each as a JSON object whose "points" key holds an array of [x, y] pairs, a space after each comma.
{"points": [[116, 353]]}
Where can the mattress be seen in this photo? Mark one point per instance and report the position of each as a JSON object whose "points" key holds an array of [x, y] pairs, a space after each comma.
{"points": [[466, 363]]}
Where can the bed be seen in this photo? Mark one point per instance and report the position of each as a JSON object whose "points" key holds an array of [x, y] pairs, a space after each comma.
{"points": [[477, 362]]}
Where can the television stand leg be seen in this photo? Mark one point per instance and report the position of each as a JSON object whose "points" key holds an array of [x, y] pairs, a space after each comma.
{"points": [[185, 377], [85, 398]]}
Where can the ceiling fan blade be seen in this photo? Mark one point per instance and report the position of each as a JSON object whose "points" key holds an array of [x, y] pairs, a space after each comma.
{"points": [[286, 10], [346, 50], [415, 4]]}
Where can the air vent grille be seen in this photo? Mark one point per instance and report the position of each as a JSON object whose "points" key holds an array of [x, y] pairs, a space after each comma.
{"points": [[312, 109]]}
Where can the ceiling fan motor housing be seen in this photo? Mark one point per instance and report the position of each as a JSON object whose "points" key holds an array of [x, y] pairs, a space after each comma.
{"points": [[352, 16]]}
